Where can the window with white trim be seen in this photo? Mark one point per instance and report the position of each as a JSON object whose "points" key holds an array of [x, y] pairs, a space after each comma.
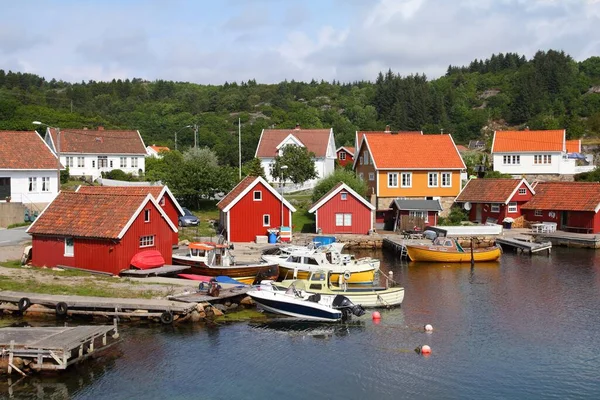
{"points": [[446, 179], [424, 215], [406, 179], [361, 176], [360, 160], [538, 213], [93, 163], [69, 162], [134, 162], [512, 207], [122, 162], [371, 176], [342, 155], [32, 184], [147, 215], [344, 196], [80, 162], [366, 158], [110, 163], [45, 184], [511, 159], [147, 241], [522, 191], [69, 247], [257, 195], [162, 201], [343, 219], [547, 158], [392, 179], [495, 208], [432, 179], [266, 220]]}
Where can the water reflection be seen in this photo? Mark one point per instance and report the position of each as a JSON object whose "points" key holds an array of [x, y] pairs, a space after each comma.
{"points": [[317, 330]]}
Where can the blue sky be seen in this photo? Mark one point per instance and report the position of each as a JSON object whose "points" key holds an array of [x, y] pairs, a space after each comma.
{"points": [[215, 41]]}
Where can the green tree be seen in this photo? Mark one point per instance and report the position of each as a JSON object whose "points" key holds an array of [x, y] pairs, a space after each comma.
{"points": [[253, 168], [300, 164], [339, 175]]}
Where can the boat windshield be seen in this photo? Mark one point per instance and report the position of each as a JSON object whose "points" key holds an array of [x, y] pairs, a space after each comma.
{"points": [[442, 241], [197, 252], [310, 261]]}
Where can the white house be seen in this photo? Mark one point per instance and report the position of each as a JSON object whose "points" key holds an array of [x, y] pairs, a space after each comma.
{"points": [[537, 152], [88, 153], [28, 169], [318, 141], [154, 151]]}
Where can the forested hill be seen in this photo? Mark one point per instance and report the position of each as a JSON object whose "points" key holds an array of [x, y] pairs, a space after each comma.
{"points": [[551, 90]]}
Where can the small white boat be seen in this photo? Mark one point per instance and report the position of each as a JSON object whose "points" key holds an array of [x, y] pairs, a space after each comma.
{"points": [[302, 305]]}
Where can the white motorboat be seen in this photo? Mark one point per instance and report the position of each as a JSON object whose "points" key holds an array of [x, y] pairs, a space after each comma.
{"points": [[302, 305]]}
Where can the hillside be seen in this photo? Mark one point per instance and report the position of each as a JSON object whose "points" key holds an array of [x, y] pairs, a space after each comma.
{"points": [[551, 90]]}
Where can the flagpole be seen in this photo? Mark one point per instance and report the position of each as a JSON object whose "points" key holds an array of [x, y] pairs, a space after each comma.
{"points": [[240, 144]]}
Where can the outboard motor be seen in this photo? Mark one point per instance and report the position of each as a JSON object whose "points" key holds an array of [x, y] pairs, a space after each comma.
{"points": [[347, 307]]}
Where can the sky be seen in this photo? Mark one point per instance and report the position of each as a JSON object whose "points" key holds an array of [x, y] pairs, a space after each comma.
{"points": [[211, 42]]}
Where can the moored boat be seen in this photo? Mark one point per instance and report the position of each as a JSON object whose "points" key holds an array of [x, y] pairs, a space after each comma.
{"points": [[448, 250]]}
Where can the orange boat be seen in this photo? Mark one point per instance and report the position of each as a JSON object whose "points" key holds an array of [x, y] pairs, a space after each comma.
{"points": [[447, 250]]}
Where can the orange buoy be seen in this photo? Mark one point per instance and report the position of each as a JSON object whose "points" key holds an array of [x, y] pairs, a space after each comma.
{"points": [[425, 350], [428, 328], [376, 315]]}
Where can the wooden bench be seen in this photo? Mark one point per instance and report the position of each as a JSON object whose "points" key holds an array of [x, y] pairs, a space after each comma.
{"points": [[576, 229]]}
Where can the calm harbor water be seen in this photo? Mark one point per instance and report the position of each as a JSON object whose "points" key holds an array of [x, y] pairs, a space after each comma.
{"points": [[523, 328]]}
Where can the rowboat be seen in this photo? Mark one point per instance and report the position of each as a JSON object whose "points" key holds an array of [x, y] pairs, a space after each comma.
{"points": [[211, 259], [447, 250]]}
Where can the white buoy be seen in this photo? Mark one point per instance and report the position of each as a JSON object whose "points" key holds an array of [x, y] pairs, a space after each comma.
{"points": [[425, 350], [428, 328]]}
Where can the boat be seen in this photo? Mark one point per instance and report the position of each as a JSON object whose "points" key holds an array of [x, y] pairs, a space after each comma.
{"points": [[301, 262], [147, 259], [211, 259], [444, 249], [368, 296], [299, 304]]}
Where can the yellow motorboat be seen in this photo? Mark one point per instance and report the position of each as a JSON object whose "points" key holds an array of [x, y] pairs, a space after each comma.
{"points": [[447, 250]]}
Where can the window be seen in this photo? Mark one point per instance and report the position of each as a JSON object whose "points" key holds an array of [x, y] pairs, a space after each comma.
{"points": [[111, 163], [45, 184], [69, 247], [424, 215], [162, 201], [516, 159], [122, 162], [134, 162], [407, 179], [310, 261], [343, 219], [446, 179], [69, 162], [147, 241], [539, 213], [361, 176], [432, 179], [342, 155], [32, 184], [360, 160], [102, 162], [542, 159], [371, 176], [495, 208], [547, 159], [512, 207], [366, 158], [146, 215], [522, 191], [257, 195], [392, 179], [344, 196], [508, 159], [80, 162], [93, 163], [266, 220]]}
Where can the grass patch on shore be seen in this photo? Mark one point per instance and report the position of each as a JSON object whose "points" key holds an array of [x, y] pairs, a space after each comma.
{"points": [[18, 225]]}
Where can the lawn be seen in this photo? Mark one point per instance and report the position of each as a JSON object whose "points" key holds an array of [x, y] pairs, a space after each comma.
{"points": [[302, 221], [207, 211]]}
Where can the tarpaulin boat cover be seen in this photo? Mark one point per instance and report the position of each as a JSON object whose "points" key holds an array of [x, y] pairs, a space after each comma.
{"points": [[148, 259]]}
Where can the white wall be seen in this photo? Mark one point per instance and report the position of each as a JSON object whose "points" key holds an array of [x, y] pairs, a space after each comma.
{"points": [[95, 172], [19, 186], [558, 165]]}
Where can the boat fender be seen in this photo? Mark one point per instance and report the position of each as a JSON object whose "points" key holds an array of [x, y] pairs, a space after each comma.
{"points": [[428, 328], [24, 304], [166, 317], [201, 286], [347, 275], [61, 308]]}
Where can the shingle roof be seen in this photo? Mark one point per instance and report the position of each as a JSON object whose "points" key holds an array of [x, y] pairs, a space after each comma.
{"points": [[315, 140], [418, 205], [158, 149], [360, 134], [525, 141], [414, 151], [338, 188], [236, 191], [573, 146], [87, 215], [25, 150], [488, 190], [568, 196], [84, 141], [123, 190], [348, 149]]}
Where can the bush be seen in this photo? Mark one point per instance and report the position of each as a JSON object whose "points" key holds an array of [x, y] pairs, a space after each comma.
{"points": [[118, 175], [456, 217], [339, 175]]}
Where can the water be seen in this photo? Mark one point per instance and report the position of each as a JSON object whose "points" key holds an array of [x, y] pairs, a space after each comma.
{"points": [[523, 328]]}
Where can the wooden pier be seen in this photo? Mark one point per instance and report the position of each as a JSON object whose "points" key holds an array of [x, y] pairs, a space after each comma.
{"points": [[524, 246], [27, 349], [396, 246], [203, 297]]}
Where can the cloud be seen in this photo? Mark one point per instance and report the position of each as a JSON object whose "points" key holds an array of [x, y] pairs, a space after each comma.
{"points": [[16, 37]]}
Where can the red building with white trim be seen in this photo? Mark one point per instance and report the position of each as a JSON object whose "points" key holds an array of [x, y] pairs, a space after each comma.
{"points": [[251, 208], [342, 210], [100, 232], [345, 155]]}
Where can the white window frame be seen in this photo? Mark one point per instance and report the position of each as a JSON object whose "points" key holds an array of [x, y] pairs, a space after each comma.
{"points": [[538, 213], [408, 176], [344, 196], [366, 158], [419, 214], [547, 158], [360, 160], [69, 161], [254, 198], [430, 176], [32, 186], [371, 176], [80, 162], [522, 191], [495, 208], [134, 162], [446, 179], [45, 183], [342, 155], [392, 179], [516, 159], [343, 219], [162, 201], [267, 220], [147, 241], [512, 207], [122, 162], [69, 248], [361, 176], [147, 215]]}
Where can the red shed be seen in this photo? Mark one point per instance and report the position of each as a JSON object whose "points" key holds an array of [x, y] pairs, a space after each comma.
{"points": [[161, 194], [100, 232], [252, 207], [342, 210], [494, 199], [345, 155]]}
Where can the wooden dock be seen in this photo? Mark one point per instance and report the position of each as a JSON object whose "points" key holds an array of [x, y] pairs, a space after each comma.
{"points": [[525, 246], [203, 297], [52, 348]]}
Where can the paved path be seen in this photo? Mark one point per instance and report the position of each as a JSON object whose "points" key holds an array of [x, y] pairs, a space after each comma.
{"points": [[13, 237]]}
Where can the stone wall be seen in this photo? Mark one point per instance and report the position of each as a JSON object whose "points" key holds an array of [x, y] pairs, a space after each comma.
{"points": [[11, 213]]}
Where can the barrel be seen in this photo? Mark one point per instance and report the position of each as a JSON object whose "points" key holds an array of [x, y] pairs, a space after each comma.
{"points": [[272, 237]]}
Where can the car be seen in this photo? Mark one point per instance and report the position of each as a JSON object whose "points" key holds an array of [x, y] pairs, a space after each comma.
{"points": [[188, 219]]}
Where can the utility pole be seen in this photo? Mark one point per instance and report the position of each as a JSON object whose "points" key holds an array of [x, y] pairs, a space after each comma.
{"points": [[240, 145], [175, 140], [57, 159], [195, 135]]}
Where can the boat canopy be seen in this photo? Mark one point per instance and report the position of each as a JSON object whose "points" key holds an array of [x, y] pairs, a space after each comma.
{"points": [[202, 246]]}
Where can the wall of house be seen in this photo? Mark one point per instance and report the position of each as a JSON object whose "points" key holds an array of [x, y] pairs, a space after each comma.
{"points": [[90, 164], [348, 160], [582, 219], [19, 186], [171, 210], [419, 187], [558, 165], [246, 217], [363, 170], [362, 216]]}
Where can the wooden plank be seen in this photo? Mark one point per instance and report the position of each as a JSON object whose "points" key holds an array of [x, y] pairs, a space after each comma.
{"points": [[165, 270]]}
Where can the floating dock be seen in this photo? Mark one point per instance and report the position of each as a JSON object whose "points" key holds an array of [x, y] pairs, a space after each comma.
{"points": [[524, 246], [52, 348]]}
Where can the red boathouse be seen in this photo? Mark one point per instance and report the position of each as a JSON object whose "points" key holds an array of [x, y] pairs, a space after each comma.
{"points": [[342, 210], [100, 232], [345, 155], [251, 208]]}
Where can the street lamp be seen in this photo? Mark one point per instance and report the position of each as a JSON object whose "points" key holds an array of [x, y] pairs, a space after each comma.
{"points": [[195, 126], [281, 169], [57, 152]]}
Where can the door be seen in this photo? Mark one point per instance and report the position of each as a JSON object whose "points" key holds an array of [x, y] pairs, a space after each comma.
{"points": [[478, 207], [4, 188], [564, 218]]}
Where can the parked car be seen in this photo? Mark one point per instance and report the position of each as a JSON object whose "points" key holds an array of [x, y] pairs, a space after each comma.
{"points": [[188, 219]]}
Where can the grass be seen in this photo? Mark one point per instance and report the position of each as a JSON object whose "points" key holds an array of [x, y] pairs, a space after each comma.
{"points": [[18, 224], [207, 211], [590, 141]]}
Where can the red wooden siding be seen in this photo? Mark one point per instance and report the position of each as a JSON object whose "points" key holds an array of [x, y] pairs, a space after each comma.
{"points": [[580, 219], [486, 208], [361, 215], [432, 216], [170, 209], [349, 158], [246, 216]]}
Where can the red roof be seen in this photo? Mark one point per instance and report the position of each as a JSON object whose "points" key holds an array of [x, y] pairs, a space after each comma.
{"points": [[573, 146], [158, 149], [461, 147], [315, 140], [87, 215], [414, 151], [488, 190], [85, 141], [25, 150], [526, 141], [123, 190], [567, 196], [348, 149], [236, 191], [360, 134]]}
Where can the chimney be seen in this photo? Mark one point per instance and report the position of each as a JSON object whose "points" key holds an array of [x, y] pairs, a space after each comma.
{"points": [[526, 128], [387, 129], [100, 128], [297, 128]]}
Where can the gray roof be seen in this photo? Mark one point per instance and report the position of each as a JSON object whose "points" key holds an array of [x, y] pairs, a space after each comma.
{"points": [[417, 205]]}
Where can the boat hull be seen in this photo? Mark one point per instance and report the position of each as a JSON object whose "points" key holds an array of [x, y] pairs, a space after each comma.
{"points": [[436, 254], [245, 273], [279, 303], [357, 276]]}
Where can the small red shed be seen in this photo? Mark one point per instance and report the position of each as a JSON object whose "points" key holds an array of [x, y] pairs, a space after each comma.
{"points": [[251, 208], [345, 155], [161, 194], [409, 214], [494, 199], [342, 210], [100, 232]]}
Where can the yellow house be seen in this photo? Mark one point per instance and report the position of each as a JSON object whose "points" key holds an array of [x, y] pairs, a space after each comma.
{"points": [[409, 165]]}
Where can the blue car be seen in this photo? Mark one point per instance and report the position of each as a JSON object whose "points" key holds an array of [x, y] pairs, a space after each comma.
{"points": [[188, 219]]}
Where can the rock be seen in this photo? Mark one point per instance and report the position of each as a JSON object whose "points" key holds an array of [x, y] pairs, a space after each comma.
{"points": [[195, 316], [227, 303], [199, 307], [247, 301], [217, 312], [18, 362], [220, 307], [233, 306], [202, 314]]}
